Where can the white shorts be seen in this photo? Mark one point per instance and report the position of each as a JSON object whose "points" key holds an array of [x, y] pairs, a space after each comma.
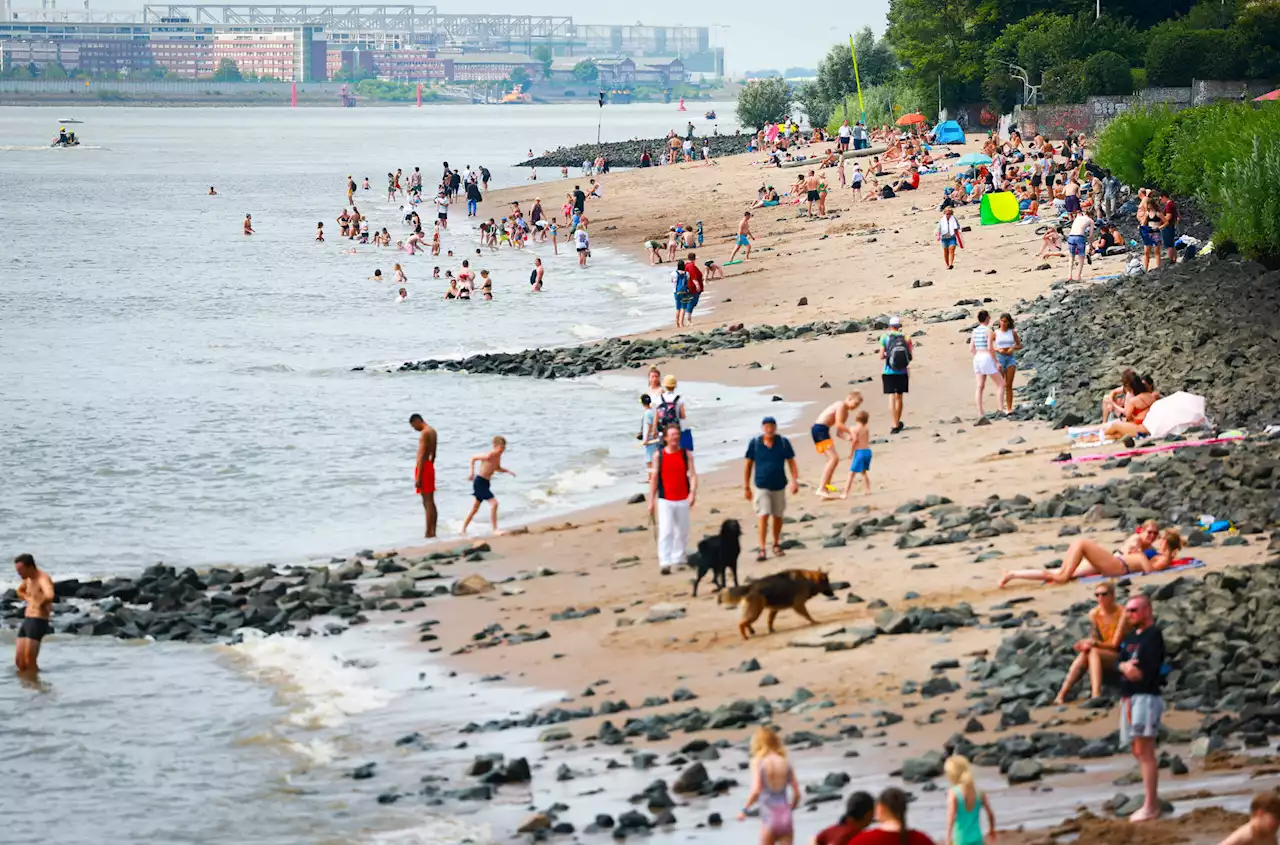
{"points": [[984, 364]]}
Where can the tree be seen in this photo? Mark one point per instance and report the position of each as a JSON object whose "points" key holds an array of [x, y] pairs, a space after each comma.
{"points": [[1065, 83], [586, 71], [815, 103], [520, 77], [227, 71], [1259, 28], [763, 101], [542, 54], [1177, 55], [944, 39], [54, 70], [1107, 73]]}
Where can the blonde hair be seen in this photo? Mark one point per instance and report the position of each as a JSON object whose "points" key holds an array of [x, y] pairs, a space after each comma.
{"points": [[766, 741], [1150, 523], [499, 441], [1172, 540], [958, 771]]}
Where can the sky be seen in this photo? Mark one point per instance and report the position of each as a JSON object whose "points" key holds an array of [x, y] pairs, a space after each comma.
{"points": [[756, 37]]}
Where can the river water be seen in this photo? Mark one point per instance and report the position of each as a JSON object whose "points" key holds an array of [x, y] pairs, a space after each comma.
{"points": [[172, 390]]}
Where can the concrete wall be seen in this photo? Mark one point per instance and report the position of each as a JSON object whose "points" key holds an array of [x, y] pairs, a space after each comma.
{"points": [[1091, 116]]}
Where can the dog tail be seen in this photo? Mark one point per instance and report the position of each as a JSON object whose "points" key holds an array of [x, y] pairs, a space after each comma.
{"points": [[732, 595]]}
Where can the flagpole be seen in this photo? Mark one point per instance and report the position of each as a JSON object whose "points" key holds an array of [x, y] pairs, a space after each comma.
{"points": [[857, 80]]}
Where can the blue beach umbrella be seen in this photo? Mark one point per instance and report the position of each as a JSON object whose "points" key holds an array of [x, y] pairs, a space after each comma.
{"points": [[973, 159]]}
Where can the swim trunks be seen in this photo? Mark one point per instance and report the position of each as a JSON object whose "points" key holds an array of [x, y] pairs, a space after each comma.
{"points": [[33, 628], [813, 196], [742, 241], [426, 482], [481, 490], [1073, 203], [861, 461], [1075, 244], [821, 437], [1168, 237]]}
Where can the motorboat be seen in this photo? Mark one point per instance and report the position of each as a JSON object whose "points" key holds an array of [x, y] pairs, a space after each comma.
{"points": [[711, 115]]}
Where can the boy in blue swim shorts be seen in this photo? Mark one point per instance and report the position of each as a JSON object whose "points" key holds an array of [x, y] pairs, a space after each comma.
{"points": [[490, 462], [861, 465]]}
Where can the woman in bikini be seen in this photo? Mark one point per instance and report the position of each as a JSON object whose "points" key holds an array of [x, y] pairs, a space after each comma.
{"points": [[1135, 412], [1099, 652], [1088, 557], [771, 775]]}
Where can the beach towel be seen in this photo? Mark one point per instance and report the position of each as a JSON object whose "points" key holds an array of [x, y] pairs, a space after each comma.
{"points": [[1177, 566], [1229, 437]]}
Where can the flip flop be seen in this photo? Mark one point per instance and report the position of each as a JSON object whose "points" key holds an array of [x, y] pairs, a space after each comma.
{"points": [[777, 551]]}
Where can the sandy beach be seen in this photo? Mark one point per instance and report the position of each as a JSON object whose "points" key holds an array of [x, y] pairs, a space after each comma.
{"points": [[862, 260]]}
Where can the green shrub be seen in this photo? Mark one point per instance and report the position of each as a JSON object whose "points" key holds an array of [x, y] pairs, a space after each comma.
{"points": [[1176, 55], [1107, 73], [1122, 145], [1243, 202]]}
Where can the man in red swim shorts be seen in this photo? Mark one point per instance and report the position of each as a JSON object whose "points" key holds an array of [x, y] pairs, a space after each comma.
{"points": [[424, 470]]}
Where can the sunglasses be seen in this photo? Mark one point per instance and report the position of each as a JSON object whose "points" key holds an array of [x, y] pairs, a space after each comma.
{"points": [[1133, 610]]}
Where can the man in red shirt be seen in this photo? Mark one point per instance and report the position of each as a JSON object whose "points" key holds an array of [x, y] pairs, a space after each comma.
{"points": [[696, 286], [673, 488]]}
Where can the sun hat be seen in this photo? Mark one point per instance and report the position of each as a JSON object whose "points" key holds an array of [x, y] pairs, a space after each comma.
{"points": [[669, 381]]}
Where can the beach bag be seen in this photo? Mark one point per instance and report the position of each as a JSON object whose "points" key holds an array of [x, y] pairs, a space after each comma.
{"points": [[886, 193], [668, 414], [896, 353]]}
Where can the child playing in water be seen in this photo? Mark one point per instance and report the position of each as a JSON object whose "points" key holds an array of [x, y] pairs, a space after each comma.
{"points": [[403, 295], [490, 462], [861, 464], [401, 278], [320, 232]]}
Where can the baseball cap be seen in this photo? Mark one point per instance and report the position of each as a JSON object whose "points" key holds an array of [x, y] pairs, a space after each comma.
{"points": [[768, 421], [895, 322]]}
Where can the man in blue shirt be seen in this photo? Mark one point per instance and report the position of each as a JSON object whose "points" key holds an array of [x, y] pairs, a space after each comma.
{"points": [[769, 456]]}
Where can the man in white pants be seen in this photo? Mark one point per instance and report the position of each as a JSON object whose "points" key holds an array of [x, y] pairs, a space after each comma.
{"points": [[673, 487]]}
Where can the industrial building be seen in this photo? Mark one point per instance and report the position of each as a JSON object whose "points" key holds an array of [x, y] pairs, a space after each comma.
{"points": [[306, 43]]}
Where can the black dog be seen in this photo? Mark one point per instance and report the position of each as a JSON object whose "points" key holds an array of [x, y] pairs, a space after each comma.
{"points": [[718, 553]]}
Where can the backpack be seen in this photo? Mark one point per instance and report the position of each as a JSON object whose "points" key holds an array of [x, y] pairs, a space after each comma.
{"points": [[886, 192], [897, 355], [668, 414], [682, 282]]}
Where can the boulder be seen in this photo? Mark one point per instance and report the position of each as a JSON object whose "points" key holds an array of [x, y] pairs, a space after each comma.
{"points": [[471, 585]]}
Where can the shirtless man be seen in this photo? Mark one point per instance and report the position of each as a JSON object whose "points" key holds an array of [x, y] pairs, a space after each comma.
{"points": [[811, 190], [490, 462], [744, 237], [424, 470], [834, 420], [36, 590], [248, 224]]}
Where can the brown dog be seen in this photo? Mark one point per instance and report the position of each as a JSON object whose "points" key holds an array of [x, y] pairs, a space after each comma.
{"points": [[790, 588]]}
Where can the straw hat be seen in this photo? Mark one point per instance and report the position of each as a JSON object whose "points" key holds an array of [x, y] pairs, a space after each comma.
{"points": [[669, 381]]}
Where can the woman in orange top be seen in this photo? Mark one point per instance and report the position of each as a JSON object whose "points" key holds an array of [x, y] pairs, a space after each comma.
{"points": [[1099, 652], [1135, 411]]}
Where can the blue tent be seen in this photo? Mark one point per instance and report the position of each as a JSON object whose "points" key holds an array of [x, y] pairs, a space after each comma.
{"points": [[949, 132]]}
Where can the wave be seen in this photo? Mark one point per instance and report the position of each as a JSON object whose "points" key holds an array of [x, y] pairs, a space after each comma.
{"points": [[572, 482], [441, 830], [321, 689], [585, 331]]}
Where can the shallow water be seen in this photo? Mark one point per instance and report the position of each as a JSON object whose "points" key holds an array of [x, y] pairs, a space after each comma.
{"points": [[176, 390], [173, 390]]}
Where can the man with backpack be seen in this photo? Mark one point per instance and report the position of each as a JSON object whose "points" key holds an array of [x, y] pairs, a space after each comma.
{"points": [[896, 351], [671, 412], [673, 488]]}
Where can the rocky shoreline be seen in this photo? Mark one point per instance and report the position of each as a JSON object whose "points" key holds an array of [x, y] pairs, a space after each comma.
{"points": [[627, 153], [1205, 326], [163, 603]]}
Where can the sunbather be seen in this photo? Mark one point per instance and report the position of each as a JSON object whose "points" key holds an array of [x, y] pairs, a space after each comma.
{"points": [[1088, 557], [1135, 412]]}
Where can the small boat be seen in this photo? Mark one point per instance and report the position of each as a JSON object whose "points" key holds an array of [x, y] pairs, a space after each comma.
{"points": [[66, 120], [682, 108], [711, 115]]}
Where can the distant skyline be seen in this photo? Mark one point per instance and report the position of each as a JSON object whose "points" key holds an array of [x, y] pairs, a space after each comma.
{"points": [[754, 40]]}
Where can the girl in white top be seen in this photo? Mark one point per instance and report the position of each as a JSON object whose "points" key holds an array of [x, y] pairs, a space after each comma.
{"points": [[1007, 342], [982, 347]]}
